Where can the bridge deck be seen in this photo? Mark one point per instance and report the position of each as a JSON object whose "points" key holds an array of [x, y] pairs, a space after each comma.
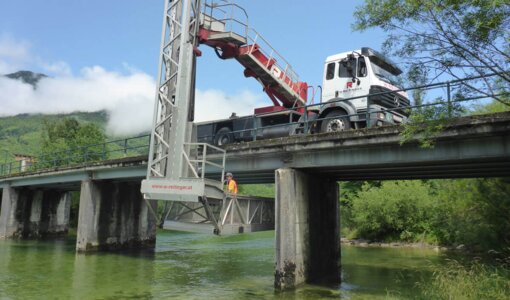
{"points": [[475, 146]]}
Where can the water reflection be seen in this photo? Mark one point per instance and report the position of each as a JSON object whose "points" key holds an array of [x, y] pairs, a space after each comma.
{"points": [[196, 266], [112, 276]]}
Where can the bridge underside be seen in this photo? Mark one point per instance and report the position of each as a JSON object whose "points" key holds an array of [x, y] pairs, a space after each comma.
{"points": [[465, 150], [469, 168]]}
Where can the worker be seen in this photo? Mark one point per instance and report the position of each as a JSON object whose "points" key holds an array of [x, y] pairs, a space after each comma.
{"points": [[231, 184]]}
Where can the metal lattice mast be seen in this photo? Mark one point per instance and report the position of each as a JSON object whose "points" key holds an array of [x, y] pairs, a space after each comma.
{"points": [[174, 97], [176, 164]]}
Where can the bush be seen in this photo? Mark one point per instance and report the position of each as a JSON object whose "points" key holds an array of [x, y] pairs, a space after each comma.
{"points": [[474, 212], [397, 210], [471, 212]]}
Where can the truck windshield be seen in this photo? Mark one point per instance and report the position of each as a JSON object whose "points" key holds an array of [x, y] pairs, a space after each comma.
{"points": [[384, 75]]}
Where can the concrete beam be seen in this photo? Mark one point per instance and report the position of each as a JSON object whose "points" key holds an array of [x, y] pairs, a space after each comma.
{"points": [[114, 215], [307, 229]]}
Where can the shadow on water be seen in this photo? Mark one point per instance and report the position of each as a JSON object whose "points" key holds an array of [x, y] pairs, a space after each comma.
{"points": [[197, 266]]}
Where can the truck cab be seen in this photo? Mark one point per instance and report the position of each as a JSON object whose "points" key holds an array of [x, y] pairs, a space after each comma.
{"points": [[348, 78]]}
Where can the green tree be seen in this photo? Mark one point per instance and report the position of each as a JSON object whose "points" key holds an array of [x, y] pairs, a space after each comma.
{"points": [[474, 212], [459, 38], [67, 141], [492, 107], [397, 210]]}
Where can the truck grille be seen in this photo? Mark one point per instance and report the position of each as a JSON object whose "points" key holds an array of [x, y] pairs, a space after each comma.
{"points": [[389, 100]]}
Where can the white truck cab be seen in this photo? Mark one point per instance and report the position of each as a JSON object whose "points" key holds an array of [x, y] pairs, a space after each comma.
{"points": [[359, 73]]}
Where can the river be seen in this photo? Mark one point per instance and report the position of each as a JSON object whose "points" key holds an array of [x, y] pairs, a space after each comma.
{"points": [[198, 266]]}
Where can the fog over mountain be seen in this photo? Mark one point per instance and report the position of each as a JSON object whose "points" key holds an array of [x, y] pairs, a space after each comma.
{"points": [[128, 98], [126, 93]]}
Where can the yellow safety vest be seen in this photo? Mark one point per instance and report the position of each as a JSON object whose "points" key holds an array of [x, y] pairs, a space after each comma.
{"points": [[232, 186]]}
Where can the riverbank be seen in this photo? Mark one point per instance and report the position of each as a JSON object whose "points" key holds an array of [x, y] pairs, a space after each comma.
{"points": [[417, 245]]}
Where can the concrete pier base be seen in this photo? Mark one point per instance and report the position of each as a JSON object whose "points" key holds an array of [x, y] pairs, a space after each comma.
{"points": [[114, 216], [34, 213], [9, 222], [307, 229]]}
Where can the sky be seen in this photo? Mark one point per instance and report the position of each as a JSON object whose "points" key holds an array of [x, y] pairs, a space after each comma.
{"points": [[104, 55]]}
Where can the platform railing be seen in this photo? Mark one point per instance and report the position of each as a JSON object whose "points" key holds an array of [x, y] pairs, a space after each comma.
{"points": [[233, 16], [197, 159], [235, 19]]}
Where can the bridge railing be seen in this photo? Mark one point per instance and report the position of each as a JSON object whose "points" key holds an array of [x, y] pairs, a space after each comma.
{"points": [[115, 149], [450, 103]]}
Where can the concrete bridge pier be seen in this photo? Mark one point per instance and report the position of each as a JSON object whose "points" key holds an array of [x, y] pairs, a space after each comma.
{"points": [[113, 216], [30, 213], [307, 229]]}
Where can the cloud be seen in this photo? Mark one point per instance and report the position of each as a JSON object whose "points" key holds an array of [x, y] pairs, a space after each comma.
{"points": [[216, 104], [127, 97], [59, 68]]}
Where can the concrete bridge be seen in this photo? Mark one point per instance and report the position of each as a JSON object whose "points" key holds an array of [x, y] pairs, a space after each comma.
{"points": [[305, 170]]}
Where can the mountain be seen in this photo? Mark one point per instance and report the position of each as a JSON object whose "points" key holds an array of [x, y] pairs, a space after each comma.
{"points": [[22, 133], [28, 77]]}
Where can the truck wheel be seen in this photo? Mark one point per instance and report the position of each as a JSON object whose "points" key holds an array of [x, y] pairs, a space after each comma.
{"points": [[336, 120], [223, 136]]}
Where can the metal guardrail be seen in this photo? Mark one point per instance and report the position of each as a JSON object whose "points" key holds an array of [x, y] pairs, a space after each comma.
{"points": [[450, 104], [115, 149], [233, 16], [139, 145]]}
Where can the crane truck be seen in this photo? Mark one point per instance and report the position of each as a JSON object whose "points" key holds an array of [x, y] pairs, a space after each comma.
{"points": [[179, 160], [359, 88]]}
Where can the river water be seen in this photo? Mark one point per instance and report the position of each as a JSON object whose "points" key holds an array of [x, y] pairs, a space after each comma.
{"points": [[198, 266]]}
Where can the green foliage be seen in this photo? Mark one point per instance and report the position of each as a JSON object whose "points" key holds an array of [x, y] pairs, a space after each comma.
{"points": [[470, 212], [426, 123], [395, 210], [460, 38], [22, 134], [474, 212], [63, 142], [58, 139], [493, 107], [260, 190], [475, 281]]}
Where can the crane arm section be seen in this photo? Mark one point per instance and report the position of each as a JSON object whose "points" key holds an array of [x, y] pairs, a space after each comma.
{"points": [[222, 27]]}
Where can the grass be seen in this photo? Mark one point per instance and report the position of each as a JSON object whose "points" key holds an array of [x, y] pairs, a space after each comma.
{"points": [[475, 281]]}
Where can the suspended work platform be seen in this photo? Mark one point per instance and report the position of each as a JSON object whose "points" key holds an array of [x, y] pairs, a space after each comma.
{"points": [[231, 215], [176, 163]]}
